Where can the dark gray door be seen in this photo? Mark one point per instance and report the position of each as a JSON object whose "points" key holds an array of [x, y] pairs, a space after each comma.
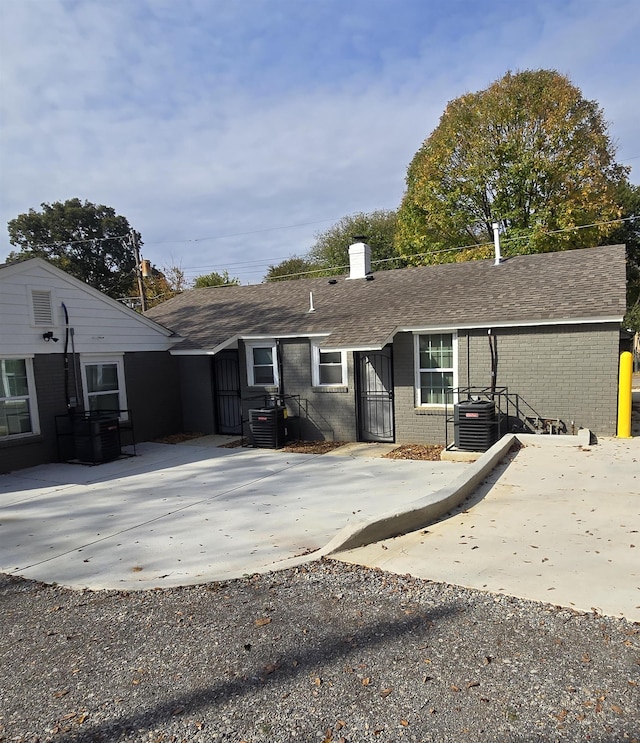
{"points": [[375, 395], [227, 385]]}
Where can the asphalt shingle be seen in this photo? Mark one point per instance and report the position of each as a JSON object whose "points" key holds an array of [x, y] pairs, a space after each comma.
{"points": [[569, 286]]}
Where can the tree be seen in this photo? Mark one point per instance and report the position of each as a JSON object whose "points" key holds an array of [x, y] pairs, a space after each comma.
{"points": [[215, 279], [88, 241], [331, 249], [530, 153], [628, 233], [293, 267]]}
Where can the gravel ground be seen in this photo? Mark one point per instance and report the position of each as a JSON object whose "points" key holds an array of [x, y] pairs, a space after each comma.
{"points": [[326, 652]]}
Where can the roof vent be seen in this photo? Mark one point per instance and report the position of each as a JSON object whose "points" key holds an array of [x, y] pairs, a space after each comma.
{"points": [[496, 243], [42, 307], [369, 277], [359, 260], [333, 281]]}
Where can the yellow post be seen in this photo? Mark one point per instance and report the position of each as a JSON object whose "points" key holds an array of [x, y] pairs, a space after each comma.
{"points": [[624, 395]]}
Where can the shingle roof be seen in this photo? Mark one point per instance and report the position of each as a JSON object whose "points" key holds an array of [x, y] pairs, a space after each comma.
{"points": [[548, 288]]}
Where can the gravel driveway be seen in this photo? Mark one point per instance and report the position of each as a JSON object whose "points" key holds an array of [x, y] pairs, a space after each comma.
{"points": [[324, 652]]}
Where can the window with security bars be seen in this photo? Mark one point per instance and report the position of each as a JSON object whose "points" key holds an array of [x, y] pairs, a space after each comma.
{"points": [[436, 373]]}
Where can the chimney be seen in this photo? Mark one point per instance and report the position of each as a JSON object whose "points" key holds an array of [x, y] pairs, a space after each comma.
{"points": [[359, 258]]}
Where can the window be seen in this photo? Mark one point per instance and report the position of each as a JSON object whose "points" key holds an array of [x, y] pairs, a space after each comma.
{"points": [[436, 356], [329, 368], [262, 368], [18, 411], [104, 388]]}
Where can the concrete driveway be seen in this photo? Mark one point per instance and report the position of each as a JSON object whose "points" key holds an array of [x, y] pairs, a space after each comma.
{"points": [[185, 514]]}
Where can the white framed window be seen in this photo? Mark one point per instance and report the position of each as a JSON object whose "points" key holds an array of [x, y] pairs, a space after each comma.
{"points": [[18, 406], [328, 368], [262, 364], [436, 356], [103, 384]]}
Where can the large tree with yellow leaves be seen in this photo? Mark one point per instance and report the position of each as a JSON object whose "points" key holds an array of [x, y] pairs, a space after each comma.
{"points": [[529, 152]]}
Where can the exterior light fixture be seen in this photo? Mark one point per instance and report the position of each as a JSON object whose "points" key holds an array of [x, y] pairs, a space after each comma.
{"points": [[48, 336]]}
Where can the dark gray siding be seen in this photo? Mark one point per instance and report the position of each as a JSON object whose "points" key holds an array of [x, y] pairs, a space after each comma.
{"points": [[196, 390], [18, 453], [568, 372], [153, 393]]}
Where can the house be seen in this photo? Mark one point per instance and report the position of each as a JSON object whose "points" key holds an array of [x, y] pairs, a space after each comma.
{"points": [[65, 348], [381, 356]]}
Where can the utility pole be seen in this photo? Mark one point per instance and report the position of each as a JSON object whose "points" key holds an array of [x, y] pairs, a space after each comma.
{"points": [[141, 291]]}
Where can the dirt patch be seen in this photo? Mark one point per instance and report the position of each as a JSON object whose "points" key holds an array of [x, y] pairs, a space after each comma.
{"points": [[313, 447], [178, 438], [430, 452]]}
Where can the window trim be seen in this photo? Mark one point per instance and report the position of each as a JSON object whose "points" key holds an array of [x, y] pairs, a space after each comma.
{"points": [[31, 397], [117, 359], [418, 368], [316, 349], [249, 348]]}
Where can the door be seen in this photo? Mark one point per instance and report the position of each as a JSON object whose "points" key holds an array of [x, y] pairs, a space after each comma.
{"points": [[226, 367], [375, 395]]}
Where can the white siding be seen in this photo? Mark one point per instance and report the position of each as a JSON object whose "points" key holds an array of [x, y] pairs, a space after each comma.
{"points": [[100, 324]]}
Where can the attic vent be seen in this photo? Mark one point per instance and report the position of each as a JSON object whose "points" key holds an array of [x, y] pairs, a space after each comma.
{"points": [[42, 309]]}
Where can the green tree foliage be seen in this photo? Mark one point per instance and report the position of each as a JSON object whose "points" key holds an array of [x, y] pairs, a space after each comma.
{"points": [[88, 241], [215, 279], [528, 152], [628, 233], [293, 267], [331, 249]]}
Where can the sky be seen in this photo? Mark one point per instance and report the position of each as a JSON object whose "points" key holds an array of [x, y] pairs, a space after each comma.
{"points": [[231, 132]]}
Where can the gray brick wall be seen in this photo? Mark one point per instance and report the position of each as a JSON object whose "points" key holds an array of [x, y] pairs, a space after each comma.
{"points": [[323, 413], [567, 372]]}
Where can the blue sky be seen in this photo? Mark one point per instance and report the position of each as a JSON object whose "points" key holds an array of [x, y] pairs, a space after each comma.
{"points": [[230, 132]]}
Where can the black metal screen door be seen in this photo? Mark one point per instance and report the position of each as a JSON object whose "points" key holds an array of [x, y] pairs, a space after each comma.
{"points": [[375, 396], [227, 385]]}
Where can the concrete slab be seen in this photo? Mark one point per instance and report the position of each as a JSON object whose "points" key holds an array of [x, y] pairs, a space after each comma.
{"points": [[553, 523], [187, 514]]}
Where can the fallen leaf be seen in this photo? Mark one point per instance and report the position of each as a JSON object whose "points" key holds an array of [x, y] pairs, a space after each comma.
{"points": [[366, 681], [317, 681], [616, 709], [263, 621], [404, 723], [385, 692], [471, 684], [562, 714], [177, 711], [61, 693], [586, 658], [455, 688]]}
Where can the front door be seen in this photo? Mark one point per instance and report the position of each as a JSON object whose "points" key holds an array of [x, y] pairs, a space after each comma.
{"points": [[375, 395], [226, 367]]}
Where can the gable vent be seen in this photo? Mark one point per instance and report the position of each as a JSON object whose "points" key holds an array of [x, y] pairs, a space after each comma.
{"points": [[42, 309]]}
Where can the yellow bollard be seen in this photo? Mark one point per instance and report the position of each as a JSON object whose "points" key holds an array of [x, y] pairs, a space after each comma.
{"points": [[624, 395]]}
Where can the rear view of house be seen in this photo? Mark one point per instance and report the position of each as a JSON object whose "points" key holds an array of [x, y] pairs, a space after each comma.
{"points": [[67, 349], [382, 356]]}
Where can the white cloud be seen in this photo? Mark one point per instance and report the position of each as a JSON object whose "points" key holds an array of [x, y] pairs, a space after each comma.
{"points": [[198, 119]]}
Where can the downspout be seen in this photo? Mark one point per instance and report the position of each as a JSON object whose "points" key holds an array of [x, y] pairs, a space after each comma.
{"points": [[493, 349], [66, 357], [280, 379]]}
